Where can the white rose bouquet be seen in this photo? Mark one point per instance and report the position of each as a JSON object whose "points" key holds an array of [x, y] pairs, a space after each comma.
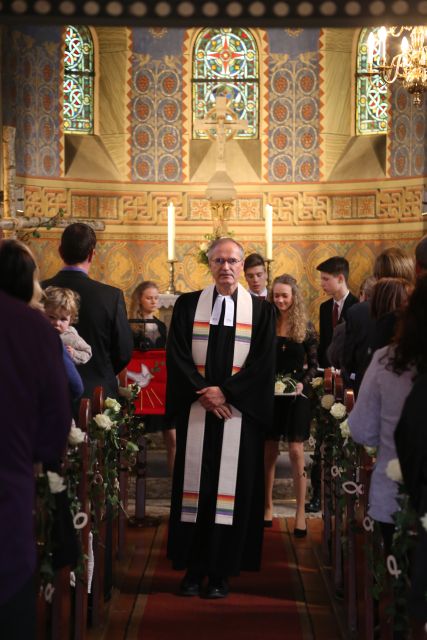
{"points": [[284, 384], [327, 401], [338, 411], [104, 422], [393, 470], [316, 382], [344, 428]]}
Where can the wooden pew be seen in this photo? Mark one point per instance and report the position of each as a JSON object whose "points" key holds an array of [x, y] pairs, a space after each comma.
{"points": [[326, 488], [81, 589], [97, 607]]}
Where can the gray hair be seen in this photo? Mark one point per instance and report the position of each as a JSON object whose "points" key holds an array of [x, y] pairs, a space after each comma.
{"points": [[421, 253], [220, 241]]}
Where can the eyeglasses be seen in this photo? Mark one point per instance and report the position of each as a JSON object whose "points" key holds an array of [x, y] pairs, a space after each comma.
{"points": [[231, 261]]}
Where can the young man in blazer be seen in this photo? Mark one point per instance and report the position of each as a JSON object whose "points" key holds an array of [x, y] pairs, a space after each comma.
{"points": [[334, 274], [256, 275]]}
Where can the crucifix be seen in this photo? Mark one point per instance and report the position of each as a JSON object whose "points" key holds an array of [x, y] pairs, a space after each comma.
{"points": [[221, 124]]}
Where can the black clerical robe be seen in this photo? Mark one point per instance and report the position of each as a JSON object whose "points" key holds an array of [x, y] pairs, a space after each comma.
{"points": [[205, 546]]}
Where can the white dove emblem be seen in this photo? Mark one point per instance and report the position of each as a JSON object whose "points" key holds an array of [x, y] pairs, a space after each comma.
{"points": [[142, 379]]}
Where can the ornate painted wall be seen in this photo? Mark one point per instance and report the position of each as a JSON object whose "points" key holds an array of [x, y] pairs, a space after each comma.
{"points": [[147, 100]]}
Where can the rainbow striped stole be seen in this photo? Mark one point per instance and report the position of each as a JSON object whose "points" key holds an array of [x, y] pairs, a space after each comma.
{"points": [[196, 423]]}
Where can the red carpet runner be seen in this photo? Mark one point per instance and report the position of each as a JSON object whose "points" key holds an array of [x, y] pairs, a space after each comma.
{"points": [[260, 605]]}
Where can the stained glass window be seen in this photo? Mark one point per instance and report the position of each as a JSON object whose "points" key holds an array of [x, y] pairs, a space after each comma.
{"points": [[225, 63], [371, 91], [78, 80]]}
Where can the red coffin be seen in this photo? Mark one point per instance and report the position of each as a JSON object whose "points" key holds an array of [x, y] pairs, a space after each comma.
{"points": [[148, 370]]}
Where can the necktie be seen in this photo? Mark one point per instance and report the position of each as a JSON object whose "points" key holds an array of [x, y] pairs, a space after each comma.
{"points": [[335, 315]]}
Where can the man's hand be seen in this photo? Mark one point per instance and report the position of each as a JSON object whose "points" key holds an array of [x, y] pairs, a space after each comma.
{"points": [[211, 398], [223, 412]]}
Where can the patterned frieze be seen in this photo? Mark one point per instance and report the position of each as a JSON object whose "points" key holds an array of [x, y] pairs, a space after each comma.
{"points": [[297, 208]]}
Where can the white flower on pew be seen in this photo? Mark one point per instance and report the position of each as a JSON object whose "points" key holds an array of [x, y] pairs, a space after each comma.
{"points": [[279, 387], [76, 435], [344, 428], [56, 482], [393, 470], [316, 382], [424, 521], [327, 401], [114, 405], [371, 451], [338, 411], [126, 392], [104, 422]]}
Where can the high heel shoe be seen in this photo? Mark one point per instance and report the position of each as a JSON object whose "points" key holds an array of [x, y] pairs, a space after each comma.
{"points": [[300, 533], [268, 524]]}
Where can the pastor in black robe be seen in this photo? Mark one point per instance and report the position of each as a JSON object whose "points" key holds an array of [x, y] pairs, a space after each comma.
{"points": [[204, 546]]}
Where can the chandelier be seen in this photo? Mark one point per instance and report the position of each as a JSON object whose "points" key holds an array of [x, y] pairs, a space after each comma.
{"points": [[409, 66]]}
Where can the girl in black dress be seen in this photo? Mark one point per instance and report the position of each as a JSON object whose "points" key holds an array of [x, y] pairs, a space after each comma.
{"points": [[150, 333], [296, 357]]}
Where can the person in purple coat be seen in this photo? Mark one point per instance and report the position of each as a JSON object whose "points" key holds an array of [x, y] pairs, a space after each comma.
{"points": [[35, 421]]}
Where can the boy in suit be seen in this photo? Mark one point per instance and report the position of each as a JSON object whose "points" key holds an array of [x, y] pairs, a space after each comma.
{"points": [[256, 275], [334, 274]]}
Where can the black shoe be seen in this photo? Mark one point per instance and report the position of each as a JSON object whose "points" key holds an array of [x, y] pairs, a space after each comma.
{"points": [[313, 506], [190, 585], [268, 524], [217, 588], [300, 533]]}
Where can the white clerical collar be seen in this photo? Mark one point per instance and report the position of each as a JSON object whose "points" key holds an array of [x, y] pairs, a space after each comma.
{"points": [[229, 310]]}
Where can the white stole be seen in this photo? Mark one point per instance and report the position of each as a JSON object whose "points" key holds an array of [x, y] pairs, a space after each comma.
{"points": [[196, 422]]}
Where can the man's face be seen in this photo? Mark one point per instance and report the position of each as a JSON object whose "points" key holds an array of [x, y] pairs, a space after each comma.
{"points": [[330, 284], [256, 277], [226, 274]]}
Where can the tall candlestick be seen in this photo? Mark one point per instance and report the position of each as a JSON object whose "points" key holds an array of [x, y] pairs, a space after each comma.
{"points": [[171, 231], [268, 232]]}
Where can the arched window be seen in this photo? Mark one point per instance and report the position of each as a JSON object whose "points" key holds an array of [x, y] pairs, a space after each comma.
{"points": [[78, 80], [225, 62], [371, 91]]}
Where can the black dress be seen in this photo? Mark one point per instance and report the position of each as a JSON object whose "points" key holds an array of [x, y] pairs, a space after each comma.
{"points": [[292, 414], [148, 334]]}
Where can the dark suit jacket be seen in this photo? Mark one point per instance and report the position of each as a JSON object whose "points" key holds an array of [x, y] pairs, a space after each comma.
{"points": [[325, 325], [358, 330], [103, 324]]}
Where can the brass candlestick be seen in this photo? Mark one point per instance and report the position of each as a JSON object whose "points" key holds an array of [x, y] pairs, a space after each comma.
{"points": [[268, 261], [171, 288]]}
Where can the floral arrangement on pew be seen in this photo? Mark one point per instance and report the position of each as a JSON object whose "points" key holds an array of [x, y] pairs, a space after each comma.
{"points": [[117, 431], [398, 563], [57, 493]]}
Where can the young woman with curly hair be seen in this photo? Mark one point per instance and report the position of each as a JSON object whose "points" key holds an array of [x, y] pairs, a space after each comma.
{"points": [[296, 346]]}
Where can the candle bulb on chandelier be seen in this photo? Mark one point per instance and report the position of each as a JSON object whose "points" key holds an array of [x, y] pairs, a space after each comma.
{"points": [[269, 232], [405, 48], [171, 231], [383, 40], [371, 47]]}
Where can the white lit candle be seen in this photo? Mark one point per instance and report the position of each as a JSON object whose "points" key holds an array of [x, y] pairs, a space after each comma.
{"points": [[405, 49], [269, 232], [171, 231]]}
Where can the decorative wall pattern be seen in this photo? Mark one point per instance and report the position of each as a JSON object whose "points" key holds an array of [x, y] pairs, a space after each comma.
{"points": [[155, 108], [34, 89], [408, 134], [293, 137], [293, 208], [126, 263]]}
